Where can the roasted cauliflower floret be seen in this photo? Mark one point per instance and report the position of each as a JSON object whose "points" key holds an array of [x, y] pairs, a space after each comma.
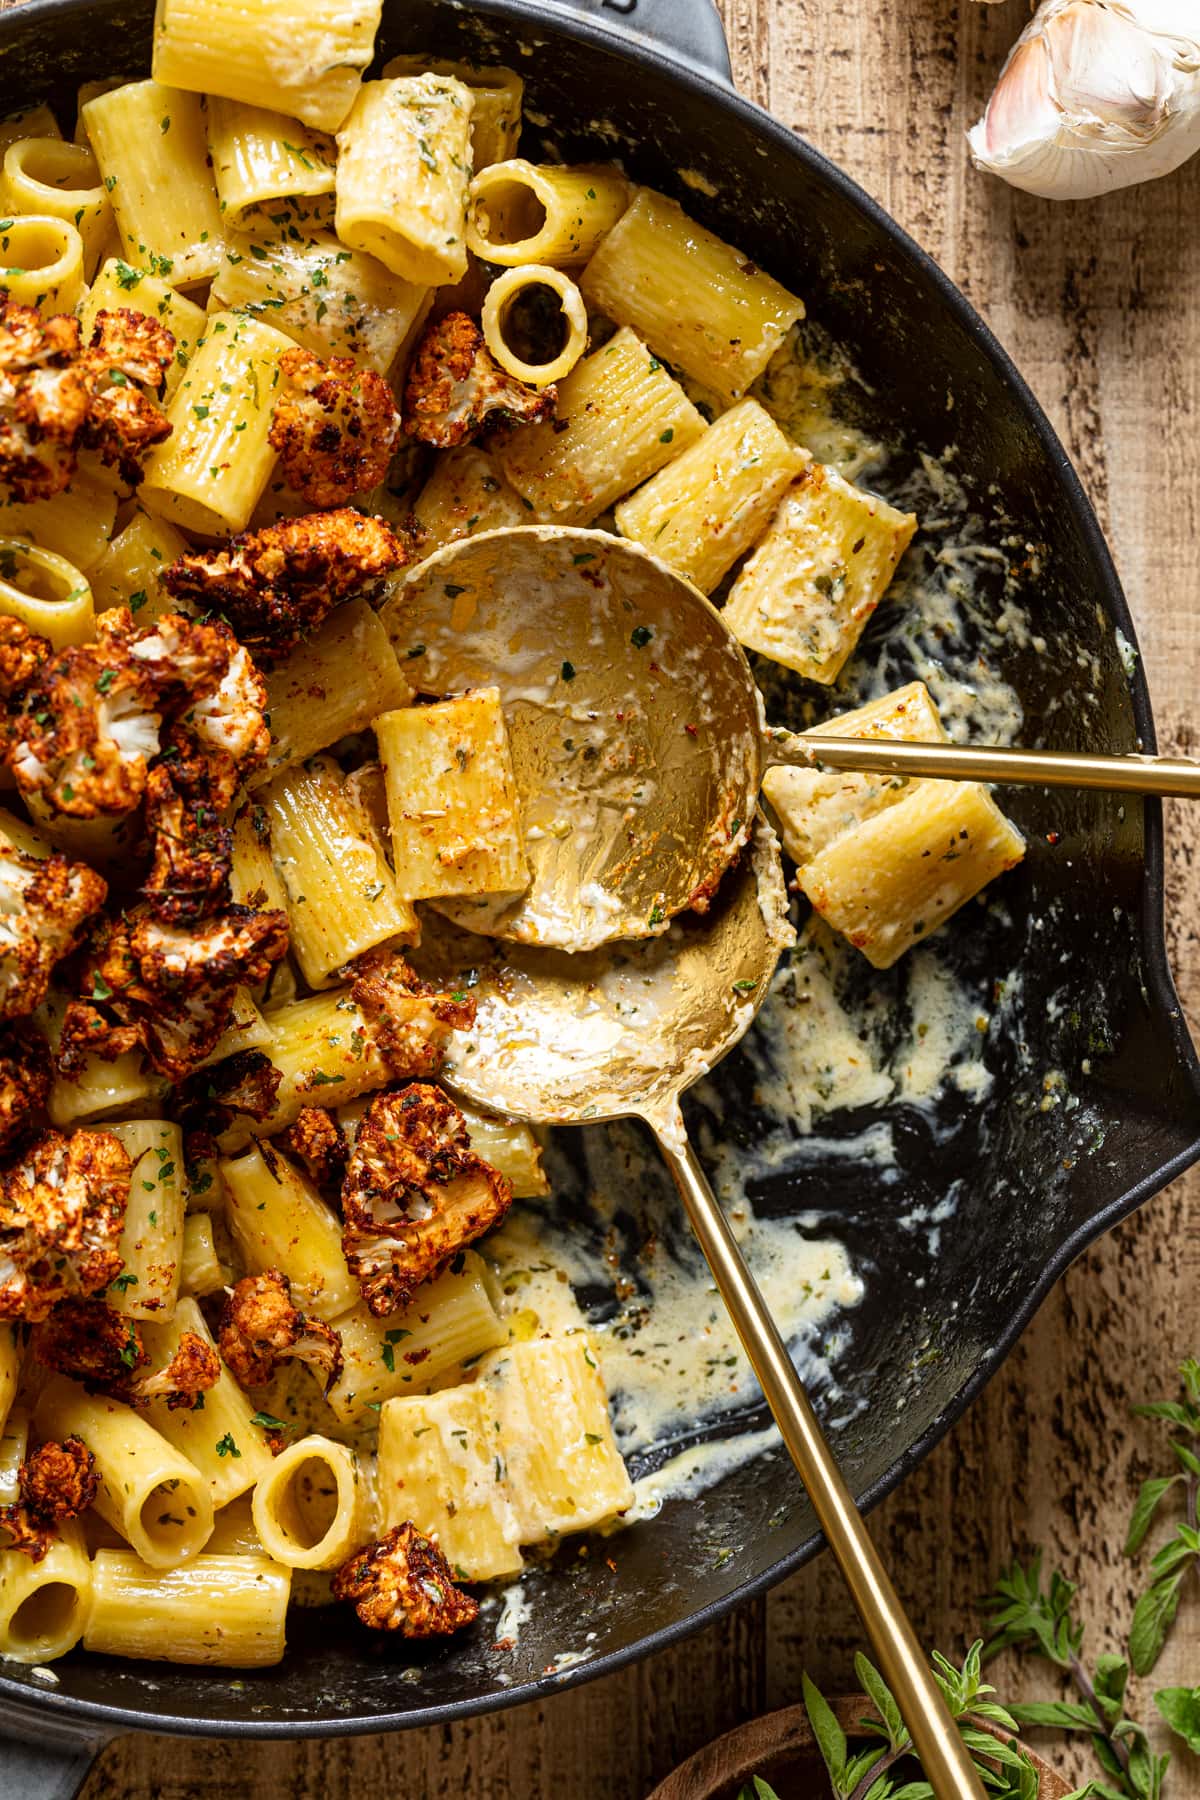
{"points": [[318, 1144], [189, 877], [415, 1193], [122, 422], [23, 653], [194, 1368], [262, 1325], [403, 1583], [44, 902], [62, 1205], [44, 401], [455, 384], [145, 985], [91, 1343], [26, 1071], [59, 1481], [410, 1021], [87, 732], [277, 585], [336, 432]]}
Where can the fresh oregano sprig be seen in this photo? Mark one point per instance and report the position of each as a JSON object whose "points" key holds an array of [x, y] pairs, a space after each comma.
{"points": [[1175, 1559]]}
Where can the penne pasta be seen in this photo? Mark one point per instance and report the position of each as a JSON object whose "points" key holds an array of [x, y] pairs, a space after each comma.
{"points": [[152, 1494], [624, 418], [260, 157], [310, 1509], [210, 473], [699, 303], [496, 93], [41, 263], [227, 1610], [60, 181], [278, 1220], [118, 283], [46, 592], [305, 63], [818, 574], [403, 166], [151, 1246], [452, 798], [342, 898], [225, 1447], [336, 683], [706, 508], [150, 142], [516, 288], [45, 1605], [521, 212], [442, 1465]]}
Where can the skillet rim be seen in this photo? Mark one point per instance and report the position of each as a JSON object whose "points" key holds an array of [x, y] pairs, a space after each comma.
{"points": [[27, 1706]]}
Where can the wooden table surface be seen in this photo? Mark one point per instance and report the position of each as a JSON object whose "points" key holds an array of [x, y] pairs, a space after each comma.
{"points": [[1098, 305]]}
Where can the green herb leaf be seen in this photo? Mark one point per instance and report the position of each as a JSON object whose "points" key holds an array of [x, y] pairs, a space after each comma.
{"points": [[881, 1697], [831, 1739], [1149, 1495], [1180, 1707], [269, 1422], [227, 1447], [1152, 1619]]}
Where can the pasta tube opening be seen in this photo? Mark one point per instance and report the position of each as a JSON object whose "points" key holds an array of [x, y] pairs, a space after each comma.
{"points": [[535, 324], [45, 592], [59, 180], [307, 1508], [41, 263], [522, 213], [44, 1605], [173, 1522]]}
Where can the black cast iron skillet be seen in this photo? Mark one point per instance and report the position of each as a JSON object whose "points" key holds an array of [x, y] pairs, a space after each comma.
{"points": [[648, 82]]}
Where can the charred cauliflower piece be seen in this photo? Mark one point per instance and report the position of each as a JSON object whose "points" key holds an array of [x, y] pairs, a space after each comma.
{"points": [[168, 991], [59, 1481], [261, 1326], [92, 1344], [26, 1071], [123, 423], [87, 732], [336, 433], [44, 901], [62, 1205], [415, 1193], [455, 384], [317, 1142], [44, 401], [403, 1583], [23, 653], [277, 585], [194, 1368], [189, 877], [410, 1021]]}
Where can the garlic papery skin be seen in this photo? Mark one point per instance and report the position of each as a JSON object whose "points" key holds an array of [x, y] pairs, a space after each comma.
{"points": [[1095, 95]]}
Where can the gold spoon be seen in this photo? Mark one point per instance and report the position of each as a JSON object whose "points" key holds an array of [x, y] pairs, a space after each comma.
{"points": [[637, 731], [622, 1032]]}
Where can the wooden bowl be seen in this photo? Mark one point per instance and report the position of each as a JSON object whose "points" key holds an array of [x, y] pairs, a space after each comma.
{"points": [[781, 1748]]}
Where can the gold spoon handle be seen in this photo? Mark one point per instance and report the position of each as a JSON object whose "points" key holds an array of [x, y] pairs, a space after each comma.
{"points": [[944, 1758], [1165, 775]]}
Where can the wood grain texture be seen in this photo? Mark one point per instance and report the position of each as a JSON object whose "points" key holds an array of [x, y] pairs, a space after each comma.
{"points": [[1096, 302]]}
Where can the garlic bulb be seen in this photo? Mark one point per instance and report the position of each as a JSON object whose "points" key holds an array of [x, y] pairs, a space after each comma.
{"points": [[1095, 95]]}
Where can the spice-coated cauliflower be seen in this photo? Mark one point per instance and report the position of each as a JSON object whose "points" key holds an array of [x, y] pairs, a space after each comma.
{"points": [[336, 432], [262, 1325], [56, 1482], [403, 1583], [44, 902], [123, 423], [318, 1143], [85, 730], [62, 1205], [410, 1021], [91, 1343], [26, 1072], [22, 654], [455, 385], [189, 877], [415, 1193], [277, 585]]}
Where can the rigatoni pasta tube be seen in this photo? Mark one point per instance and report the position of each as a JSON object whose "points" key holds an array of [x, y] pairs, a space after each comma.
{"points": [[334, 301], [151, 1493], [35, 121], [818, 574], [41, 263], [279, 1221], [220, 1439], [699, 303], [706, 508], [76, 524], [441, 1464], [452, 798], [621, 418], [893, 880], [521, 212], [119, 283], [10, 1369], [209, 474], [508, 292], [451, 1322], [150, 142], [44, 1605], [325, 1053], [510, 1146], [229, 1611], [254, 879], [305, 62], [100, 1088], [260, 156], [151, 1246], [466, 492], [336, 683], [342, 897], [496, 92], [14, 1441], [47, 593], [404, 161], [309, 1508], [62, 181], [201, 1269], [129, 573]]}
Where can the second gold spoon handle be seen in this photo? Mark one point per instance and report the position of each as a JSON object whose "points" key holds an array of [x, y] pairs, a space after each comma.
{"points": [[944, 1758], [1164, 775]]}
